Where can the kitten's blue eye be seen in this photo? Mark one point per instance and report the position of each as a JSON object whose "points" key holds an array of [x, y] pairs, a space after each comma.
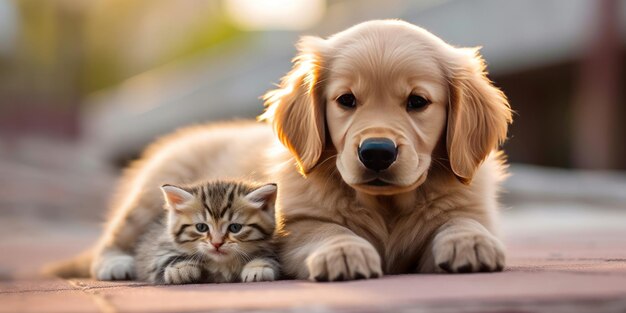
{"points": [[202, 227], [234, 227]]}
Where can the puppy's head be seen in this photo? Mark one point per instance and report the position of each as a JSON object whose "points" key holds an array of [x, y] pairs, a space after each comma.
{"points": [[383, 94]]}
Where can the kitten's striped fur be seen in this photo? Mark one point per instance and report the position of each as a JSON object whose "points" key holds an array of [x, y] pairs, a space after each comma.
{"points": [[175, 251]]}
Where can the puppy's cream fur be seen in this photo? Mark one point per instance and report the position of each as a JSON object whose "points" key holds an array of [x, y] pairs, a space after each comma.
{"points": [[438, 211]]}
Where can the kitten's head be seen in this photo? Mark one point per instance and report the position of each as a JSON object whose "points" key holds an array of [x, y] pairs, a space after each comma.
{"points": [[221, 220]]}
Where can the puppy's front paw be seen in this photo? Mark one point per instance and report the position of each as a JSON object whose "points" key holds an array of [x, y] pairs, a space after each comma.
{"points": [[258, 270], [182, 273], [114, 267], [467, 250], [344, 258]]}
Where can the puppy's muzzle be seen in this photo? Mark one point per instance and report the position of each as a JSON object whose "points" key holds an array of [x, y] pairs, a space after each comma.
{"points": [[377, 154]]}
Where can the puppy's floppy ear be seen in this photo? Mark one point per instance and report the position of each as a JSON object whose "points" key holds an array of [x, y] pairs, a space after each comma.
{"points": [[478, 114], [296, 108]]}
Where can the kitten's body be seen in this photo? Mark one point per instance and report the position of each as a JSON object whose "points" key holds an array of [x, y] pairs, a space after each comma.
{"points": [[177, 250]]}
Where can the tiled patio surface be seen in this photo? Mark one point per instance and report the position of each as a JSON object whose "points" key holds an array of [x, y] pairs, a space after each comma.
{"points": [[571, 272]]}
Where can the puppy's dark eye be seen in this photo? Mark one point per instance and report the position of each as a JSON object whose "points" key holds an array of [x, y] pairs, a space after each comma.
{"points": [[347, 100], [234, 228], [416, 102], [202, 227]]}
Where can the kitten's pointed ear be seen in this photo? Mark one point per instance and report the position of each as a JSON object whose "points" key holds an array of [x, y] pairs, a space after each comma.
{"points": [[263, 197], [175, 197]]}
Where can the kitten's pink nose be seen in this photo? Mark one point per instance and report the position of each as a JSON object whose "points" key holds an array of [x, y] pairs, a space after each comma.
{"points": [[217, 245]]}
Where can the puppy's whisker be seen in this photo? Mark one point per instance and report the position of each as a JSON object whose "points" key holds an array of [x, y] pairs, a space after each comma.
{"points": [[327, 159]]}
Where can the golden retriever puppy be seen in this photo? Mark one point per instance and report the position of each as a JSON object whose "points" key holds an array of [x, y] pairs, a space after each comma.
{"points": [[393, 132], [387, 163]]}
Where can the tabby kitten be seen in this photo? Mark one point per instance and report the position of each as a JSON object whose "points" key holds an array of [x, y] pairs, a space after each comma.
{"points": [[213, 232]]}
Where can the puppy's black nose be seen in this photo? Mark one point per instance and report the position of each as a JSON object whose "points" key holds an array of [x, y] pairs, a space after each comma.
{"points": [[377, 154]]}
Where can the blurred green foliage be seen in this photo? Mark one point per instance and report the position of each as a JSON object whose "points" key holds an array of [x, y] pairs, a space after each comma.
{"points": [[67, 49]]}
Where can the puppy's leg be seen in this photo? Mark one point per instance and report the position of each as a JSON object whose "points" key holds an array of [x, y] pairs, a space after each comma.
{"points": [[322, 251], [113, 264], [463, 245], [113, 257]]}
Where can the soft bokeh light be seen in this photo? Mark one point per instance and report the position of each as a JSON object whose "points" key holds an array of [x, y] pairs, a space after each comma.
{"points": [[275, 14]]}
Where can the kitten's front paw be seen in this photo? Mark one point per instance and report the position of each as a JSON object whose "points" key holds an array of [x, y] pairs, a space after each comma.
{"points": [[344, 258], [258, 270], [114, 267], [182, 273], [467, 250]]}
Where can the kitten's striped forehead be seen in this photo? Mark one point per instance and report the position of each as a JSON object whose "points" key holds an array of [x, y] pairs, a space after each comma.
{"points": [[217, 197]]}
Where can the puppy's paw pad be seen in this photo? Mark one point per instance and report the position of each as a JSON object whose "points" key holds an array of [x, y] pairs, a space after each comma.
{"points": [[347, 259], [468, 253], [116, 267]]}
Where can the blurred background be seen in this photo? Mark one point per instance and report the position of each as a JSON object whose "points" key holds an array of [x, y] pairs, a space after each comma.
{"points": [[86, 84]]}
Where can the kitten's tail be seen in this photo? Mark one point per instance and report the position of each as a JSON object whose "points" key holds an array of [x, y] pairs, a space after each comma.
{"points": [[76, 267]]}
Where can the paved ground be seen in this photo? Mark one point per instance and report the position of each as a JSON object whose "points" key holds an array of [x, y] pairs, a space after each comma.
{"points": [[565, 233]]}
